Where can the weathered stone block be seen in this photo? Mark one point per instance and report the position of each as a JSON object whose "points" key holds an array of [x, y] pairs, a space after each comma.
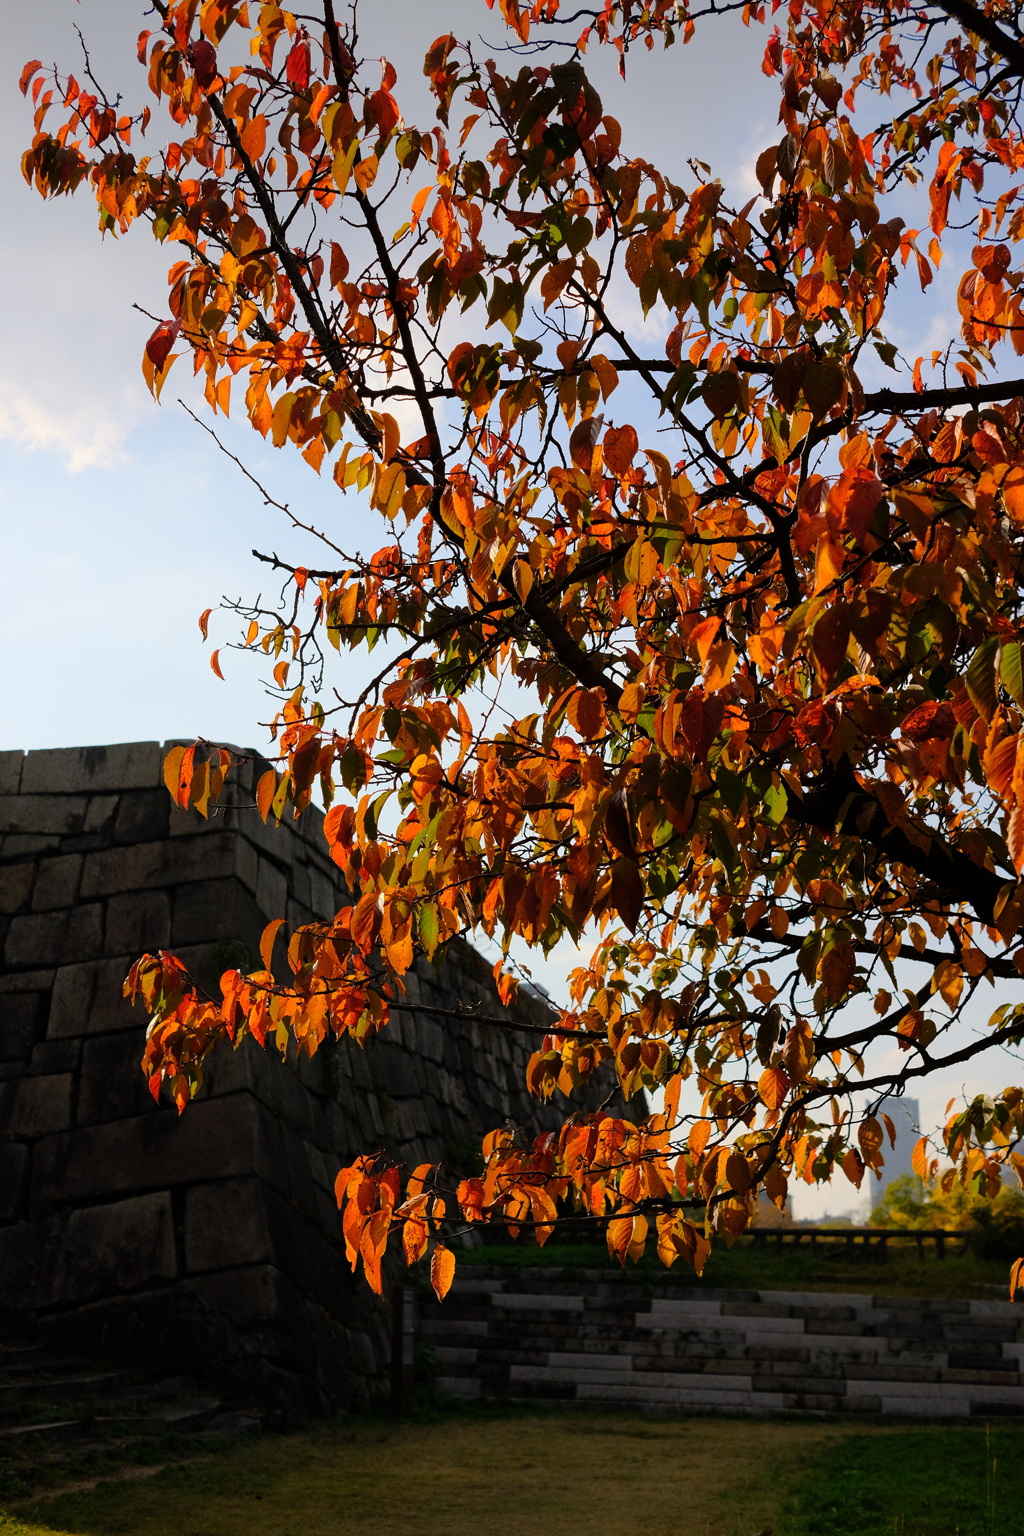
{"points": [[79, 1255], [27, 981], [14, 1166], [226, 1225], [57, 882], [36, 1106], [15, 886], [71, 1000], [87, 999], [69, 770], [19, 1024], [111, 871], [216, 909], [271, 888], [101, 813], [138, 921], [10, 772], [52, 817], [224, 1137], [143, 816], [112, 1084], [48, 938], [430, 1038], [21, 846], [50, 1056]]}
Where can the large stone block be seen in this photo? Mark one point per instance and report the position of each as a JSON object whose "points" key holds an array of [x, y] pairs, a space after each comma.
{"points": [[10, 772], [50, 1056], [112, 1084], [70, 770], [80, 1255], [138, 921], [49, 938], [221, 1138], [143, 816], [15, 886], [169, 862], [36, 1106], [226, 1225], [271, 888], [19, 1024], [48, 815], [57, 882], [71, 999], [14, 1166], [102, 812], [216, 909]]}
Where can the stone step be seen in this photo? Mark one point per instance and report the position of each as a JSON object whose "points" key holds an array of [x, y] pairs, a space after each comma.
{"points": [[57, 1430], [173, 1417], [37, 1366], [14, 1397]]}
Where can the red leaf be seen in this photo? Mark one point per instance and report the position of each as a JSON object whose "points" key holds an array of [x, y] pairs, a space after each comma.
{"points": [[160, 343], [204, 62], [30, 69], [296, 66]]}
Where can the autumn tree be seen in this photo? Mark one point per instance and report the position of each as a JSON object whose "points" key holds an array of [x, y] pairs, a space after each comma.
{"points": [[760, 627]]}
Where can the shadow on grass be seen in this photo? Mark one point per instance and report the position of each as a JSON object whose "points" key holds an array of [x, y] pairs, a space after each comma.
{"points": [[509, 1472]]}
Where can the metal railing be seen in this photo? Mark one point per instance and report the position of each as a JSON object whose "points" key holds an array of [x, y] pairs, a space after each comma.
{"points": [[859, 1241]]}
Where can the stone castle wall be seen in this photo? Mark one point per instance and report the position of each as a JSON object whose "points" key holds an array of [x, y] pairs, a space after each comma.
{"points": [[208, 1243]]}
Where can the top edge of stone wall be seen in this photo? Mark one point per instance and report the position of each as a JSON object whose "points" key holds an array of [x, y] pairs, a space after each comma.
{"points": [[80, 770]]}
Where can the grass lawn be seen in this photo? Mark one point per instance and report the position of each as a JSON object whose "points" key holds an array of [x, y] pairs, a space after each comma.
{"points": [[552, 1474], [744, 1268]]}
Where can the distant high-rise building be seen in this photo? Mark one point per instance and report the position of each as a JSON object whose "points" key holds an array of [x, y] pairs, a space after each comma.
{"points": [[905, 1116]]}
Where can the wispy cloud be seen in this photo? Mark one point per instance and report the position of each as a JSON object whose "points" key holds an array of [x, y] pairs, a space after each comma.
{"points": [[84, 435]]}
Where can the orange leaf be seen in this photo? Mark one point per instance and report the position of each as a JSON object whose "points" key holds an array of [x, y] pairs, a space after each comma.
{"points": [[204, 619], [442, 1270], [620, 446], [172, 771], [698, 1137], [266, 789], [215, 664], [1016, 1278], [773, 1085], [267, 942]]}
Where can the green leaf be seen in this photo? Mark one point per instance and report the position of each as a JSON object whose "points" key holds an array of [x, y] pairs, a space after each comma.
{"points": [[1011, 671], [776, 803], [981, 679]]}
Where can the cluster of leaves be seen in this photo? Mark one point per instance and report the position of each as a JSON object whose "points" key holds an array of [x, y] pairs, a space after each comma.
{"points": [[772, 750]]}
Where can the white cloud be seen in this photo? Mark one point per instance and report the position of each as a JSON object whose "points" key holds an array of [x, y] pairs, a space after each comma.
{"points": [[88, 436]]}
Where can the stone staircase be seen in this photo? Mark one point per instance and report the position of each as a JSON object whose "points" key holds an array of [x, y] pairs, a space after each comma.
{"points": [[65, 1419], [593, 1337]]}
